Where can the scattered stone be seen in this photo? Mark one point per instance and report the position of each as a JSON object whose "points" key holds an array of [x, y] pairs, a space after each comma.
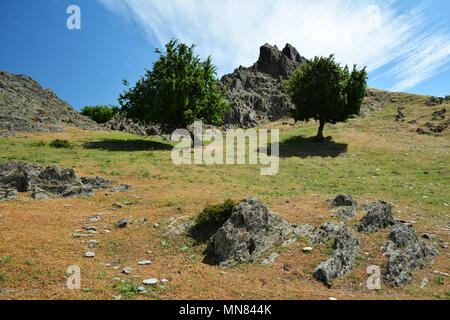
{"points": [[148, 252], [120, 188], [248, 234], [144, 262], [164, 281], [441, 273], [332, 299], [95, 219], [117, 205], [150, 281], [127, 270], [424, 283], [142, 289], [307, 249], [6, 291], [270, 259], [379, 216], [1, 216], [428, 236], [181, 228], [89, 254], [122, 223], [90, 228]]}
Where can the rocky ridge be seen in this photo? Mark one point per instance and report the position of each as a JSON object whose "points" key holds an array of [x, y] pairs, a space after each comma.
{"points": [[27, 107]]}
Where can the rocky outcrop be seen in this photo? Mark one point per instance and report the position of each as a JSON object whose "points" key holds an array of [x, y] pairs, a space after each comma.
{"points": [[27, 107], [346, 250], [256, 93], [379, 216], [250, 232], [50, 182], [120, 123], [405, 253]]}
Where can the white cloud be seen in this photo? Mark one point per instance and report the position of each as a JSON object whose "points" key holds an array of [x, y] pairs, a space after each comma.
{"points": [[365, 32]]}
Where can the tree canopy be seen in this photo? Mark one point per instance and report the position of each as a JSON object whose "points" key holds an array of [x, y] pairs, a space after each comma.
{"points": [[324, 91], [179, 90]]}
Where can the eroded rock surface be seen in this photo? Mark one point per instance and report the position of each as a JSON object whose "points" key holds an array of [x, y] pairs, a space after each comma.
{"points": [[405, 253], [48, 182], [250, 232], [379, 216]]}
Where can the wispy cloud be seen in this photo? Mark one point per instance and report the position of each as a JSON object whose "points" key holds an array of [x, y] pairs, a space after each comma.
{"points": [[366, 32]]}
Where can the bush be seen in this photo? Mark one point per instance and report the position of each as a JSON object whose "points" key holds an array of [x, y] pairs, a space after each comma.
{"points": [[216, 214], [100, 114], [61, 144], [39, 143]]}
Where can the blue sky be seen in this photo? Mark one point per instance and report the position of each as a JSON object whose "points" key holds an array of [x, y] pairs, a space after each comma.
{"points": [[404, 43]]}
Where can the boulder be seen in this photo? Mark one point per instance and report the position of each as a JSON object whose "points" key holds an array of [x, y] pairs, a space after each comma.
{"points": [[346, 250], [342, 200], [405, 253], [379, 216], [327, 232], [19, 175], [248, 234]]}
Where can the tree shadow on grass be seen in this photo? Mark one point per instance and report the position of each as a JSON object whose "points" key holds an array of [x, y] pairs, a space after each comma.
{"points": [[127, 145], [302, 147]]}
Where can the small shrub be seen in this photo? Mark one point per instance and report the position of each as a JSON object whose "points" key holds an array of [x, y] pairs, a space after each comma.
{"points": [[216, 214], [57, 143], [29, 262], [3, 277], [40, 143], [100, 114]]}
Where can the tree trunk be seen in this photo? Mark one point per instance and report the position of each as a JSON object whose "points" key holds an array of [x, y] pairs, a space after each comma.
{"points": [[319, 136]]}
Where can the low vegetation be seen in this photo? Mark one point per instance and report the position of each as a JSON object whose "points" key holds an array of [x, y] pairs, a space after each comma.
{"points": [[100, 114]]}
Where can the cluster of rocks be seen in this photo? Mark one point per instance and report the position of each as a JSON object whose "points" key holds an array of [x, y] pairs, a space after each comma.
{"points": [[436, 101], [433, 128], [120, 123], [400, 115], [405, 252], [49, 182], [27, 107]]}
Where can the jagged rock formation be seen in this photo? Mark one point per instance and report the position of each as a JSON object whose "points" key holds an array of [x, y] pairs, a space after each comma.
{"points": [[50, 182], [256, 93], [248, 234], [27, 107], [405, 253], [379, 216]]}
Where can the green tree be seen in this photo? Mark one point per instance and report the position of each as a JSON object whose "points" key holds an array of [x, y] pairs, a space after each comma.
{"points": [[324, 91], [179, 90], [100, 114]]}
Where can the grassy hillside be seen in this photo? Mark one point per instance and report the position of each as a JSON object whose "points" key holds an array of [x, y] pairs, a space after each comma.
{"points": [[372, 158]]}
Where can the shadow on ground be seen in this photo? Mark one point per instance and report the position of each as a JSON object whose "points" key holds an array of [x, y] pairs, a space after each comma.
{"points": [[201, 235], [302, 147], [127, 145]]}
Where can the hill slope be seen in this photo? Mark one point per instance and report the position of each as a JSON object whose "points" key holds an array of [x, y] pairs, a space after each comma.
{"points": [[27, 107]]}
